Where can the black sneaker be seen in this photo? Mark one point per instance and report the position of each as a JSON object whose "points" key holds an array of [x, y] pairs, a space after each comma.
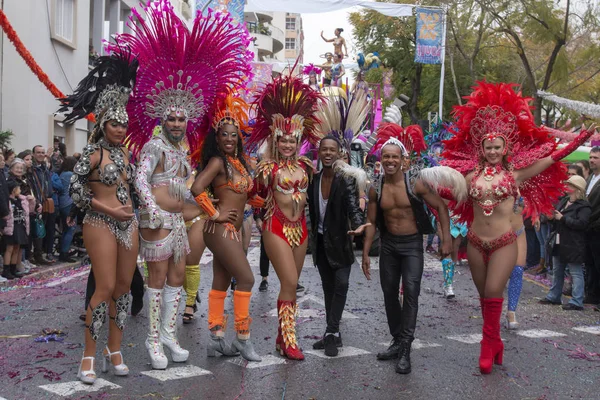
{"points": [[570, 306], [392, 351], [299, 288], [264, 285], [330, 346]]}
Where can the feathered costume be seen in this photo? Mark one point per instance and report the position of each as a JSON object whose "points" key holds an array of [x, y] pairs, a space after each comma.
{"points": [[497, 111], [497, 108], [182, 74], [343, 119], [105, 91], [286, 107]]}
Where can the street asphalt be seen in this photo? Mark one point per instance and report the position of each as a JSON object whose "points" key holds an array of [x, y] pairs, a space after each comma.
{"points": [[553, 355]]}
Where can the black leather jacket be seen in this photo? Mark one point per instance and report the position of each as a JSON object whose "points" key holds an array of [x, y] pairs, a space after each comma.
{"points": [[343, 214]]}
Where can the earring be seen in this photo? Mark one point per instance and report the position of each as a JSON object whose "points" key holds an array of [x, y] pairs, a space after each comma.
{"points": [[236, 152]]}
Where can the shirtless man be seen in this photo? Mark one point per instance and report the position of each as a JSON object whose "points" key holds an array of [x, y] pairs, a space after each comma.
{"points": [[326, 66], [397, 210]]}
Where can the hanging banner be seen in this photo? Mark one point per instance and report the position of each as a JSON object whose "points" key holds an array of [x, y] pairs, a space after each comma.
{"points": [[262, 75], [234, 7], [429, 36]]}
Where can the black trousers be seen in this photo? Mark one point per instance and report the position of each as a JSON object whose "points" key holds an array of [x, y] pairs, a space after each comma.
{"points": [[137, 286], [335, 287], [592, 267], [264, 260], [401, 258]]}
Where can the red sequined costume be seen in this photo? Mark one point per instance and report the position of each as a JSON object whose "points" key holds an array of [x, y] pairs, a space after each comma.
{"points": [[497, 111], [285, 110]]}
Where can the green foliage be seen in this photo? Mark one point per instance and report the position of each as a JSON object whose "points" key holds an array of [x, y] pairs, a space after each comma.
{"points": [[6, 139]]}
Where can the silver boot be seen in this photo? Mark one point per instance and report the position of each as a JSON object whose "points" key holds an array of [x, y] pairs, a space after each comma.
{"points": [[153, 344], [168, 326], [244, 346]]}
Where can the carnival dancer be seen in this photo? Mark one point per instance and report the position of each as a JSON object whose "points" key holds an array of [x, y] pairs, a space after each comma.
{"points": [[182, 74], [337, 71], [225, 172], [458, 230], [314, 73], [338, 42], [396, 208], [333, 203], [285, 117], [101, 187], [501, 151], [326, 66], [194, 222]]}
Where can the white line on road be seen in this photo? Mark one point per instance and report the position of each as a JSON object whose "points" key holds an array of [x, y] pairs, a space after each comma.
{"points": [[267, 360], [418, 344], [468, 339], [67, 278], [539, 333], [345, 351], [170, 374], [589, 329], [69, 388]]}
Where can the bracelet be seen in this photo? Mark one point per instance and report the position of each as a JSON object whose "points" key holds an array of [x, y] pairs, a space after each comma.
{"points": [[206, 205]]}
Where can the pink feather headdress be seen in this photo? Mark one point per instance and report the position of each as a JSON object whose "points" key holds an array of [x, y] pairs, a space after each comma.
{"points": [[181, 71]]}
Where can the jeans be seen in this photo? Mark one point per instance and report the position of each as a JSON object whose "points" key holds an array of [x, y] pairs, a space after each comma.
{"points": [[542, 236], [401, 257], [50, 232], [555, 293], [533, 248], [67, 231], [264, 260], [430, 238], [335, 287]]}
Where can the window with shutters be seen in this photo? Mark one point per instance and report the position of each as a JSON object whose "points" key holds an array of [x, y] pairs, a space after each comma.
{"points": [[64, 21]]}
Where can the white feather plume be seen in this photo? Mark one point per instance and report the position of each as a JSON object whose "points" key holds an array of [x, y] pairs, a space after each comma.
{"points": [[393, 115], [359, 175], [445, 177]]}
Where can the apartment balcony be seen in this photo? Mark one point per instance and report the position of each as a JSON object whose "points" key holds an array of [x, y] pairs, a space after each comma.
{"points": [[269, 39], [258, 17]]}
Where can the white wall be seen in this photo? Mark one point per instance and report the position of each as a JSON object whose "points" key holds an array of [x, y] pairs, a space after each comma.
{"points": [[27, 106]]}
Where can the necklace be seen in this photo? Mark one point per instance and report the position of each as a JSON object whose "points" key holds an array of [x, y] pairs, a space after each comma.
{"points": [[245, 183], [490, 170]]}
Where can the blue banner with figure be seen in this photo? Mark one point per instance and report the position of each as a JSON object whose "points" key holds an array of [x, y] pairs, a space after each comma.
{"points": [[429, 36], [234, 7]]}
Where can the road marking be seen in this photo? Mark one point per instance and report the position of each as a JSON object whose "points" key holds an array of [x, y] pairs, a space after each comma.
{"points": [[539, 333], [70, 388], [207, 257], [254, 256], [311, 298], [170, 374], [468, 339], [417, 344], [267, 360], [67, 278], [589, 329], [311, 312], [345, 351]]}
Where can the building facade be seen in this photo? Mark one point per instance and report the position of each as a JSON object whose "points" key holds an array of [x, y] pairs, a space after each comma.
{"points": [[62, 36]]}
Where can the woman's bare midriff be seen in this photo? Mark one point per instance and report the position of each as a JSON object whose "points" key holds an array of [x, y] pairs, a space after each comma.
{"points": [[489, 228], [107, 195], [286, 205], [229, 199]]}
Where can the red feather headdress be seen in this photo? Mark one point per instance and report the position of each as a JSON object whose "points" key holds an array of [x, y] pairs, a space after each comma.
{"points": [[409, 139], [286, 106]]}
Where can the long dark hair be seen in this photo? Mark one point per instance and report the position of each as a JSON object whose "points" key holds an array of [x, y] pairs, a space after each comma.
{"points": [[210, 149], [68, 164]]}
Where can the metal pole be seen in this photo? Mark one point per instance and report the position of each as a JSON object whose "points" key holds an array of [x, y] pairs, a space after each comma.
{"points": [[443, 71]]}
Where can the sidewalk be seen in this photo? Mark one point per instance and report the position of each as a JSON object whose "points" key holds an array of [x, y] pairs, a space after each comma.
{"points": [[41, 272]]}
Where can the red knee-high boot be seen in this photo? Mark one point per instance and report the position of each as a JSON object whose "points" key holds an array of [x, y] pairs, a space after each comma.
{"points": [[287, 323], [492, 348]]}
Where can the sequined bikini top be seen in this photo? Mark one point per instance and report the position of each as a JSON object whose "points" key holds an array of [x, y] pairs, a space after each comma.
{"points": [[111, 174], [241, 186], [287, 186], [488, 198]]}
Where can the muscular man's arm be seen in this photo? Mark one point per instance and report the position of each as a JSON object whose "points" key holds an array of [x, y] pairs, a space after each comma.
{"points": [[371, 219], [435, 201]]}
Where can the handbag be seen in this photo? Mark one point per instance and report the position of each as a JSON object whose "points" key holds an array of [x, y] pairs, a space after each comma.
{"points": [[39, 227]]}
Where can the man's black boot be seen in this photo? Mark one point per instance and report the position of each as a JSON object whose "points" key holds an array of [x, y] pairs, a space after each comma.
{"points": [[403, 366], [392, 351]]}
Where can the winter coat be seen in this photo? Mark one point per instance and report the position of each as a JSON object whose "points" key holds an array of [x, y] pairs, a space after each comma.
{"points": [[572, 231], [10, 219], [61, 188]]}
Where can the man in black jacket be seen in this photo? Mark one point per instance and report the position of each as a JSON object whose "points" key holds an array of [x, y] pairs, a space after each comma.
{"points": [[592, 264], [334, 209]]}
